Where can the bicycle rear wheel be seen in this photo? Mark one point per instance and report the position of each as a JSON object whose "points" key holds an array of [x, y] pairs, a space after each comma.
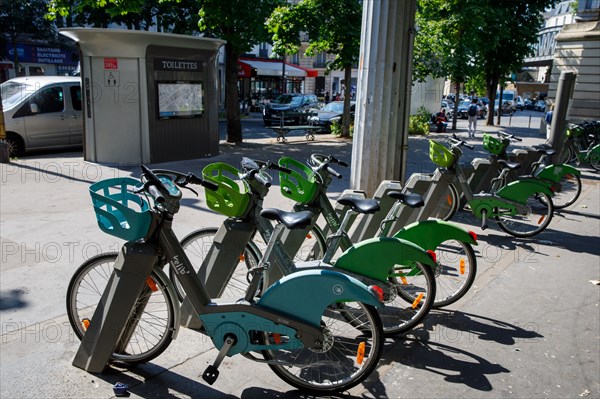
{"points": [[570, 189], [408, 298], [455, 272], [152, 323], [351, 352], [594, 160], [536, 220]]}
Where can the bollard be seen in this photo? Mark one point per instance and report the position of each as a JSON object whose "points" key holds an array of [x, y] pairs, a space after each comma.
{"points": [[529, 124]]}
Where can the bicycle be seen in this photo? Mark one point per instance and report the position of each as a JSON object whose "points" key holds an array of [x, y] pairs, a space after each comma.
{"points": [[294, 325], [455, 266], [582, 145], [562, 179], [392, 263], [522, 208]]}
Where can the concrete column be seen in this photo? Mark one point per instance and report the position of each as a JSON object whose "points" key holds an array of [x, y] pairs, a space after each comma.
{"points": [[564, 92], [383, 98]]}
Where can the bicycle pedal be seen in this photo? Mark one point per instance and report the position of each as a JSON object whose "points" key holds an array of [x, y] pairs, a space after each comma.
{"points": [[210, 375]]}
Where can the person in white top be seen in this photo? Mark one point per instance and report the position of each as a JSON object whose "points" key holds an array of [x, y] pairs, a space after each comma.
{"points": [[472, 115]]}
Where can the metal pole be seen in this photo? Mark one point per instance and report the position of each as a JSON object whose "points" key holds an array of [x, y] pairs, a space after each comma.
{"points": [[564, 92]]}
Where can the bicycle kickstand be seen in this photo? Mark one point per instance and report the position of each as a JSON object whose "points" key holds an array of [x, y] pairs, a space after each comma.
{"points": [[211, 373]]}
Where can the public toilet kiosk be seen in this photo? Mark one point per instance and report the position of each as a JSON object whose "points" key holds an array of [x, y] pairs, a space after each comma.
{"points": [[148, 97]]}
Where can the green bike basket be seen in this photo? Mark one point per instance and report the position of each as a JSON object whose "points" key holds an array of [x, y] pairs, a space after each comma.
{"points": [[231, 198], [440, 155], [299, 185], [120, 212], [492, 144]]}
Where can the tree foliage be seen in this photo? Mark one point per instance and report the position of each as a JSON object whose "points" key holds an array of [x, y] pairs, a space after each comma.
{"points": [[167, 16], [25, 18], [480, 40], [242, 24], [332, 26]]}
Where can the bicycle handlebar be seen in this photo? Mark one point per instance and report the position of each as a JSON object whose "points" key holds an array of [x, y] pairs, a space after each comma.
{"points": [[454, 140], [509, 136], [322, 162]]}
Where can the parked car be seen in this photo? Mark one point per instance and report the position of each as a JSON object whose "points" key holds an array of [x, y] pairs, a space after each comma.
{"points": [[329, 114], [520, 103], [540, 105], [463, 109], [507, 107], [291, 106], [529, 103], [42, 112]]}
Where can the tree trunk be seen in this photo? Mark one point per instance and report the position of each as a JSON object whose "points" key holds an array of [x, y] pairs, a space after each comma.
{"points": [[347, 91], [456, 101], [500, 103], [491, 85], [232, 105], [15, 56]]}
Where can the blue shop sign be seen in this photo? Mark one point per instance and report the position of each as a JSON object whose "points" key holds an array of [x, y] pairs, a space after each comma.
{"points": [[43, 55]]}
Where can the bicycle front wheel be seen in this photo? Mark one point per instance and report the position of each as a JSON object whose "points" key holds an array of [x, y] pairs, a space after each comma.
{"points": [[455, 271], [447, 205], [352, 348], [196, 246], [534, 222], [566, 155], [152, 323], [408, 298]]}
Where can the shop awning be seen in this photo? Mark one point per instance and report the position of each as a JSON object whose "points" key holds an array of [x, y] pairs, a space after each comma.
{"points": [[272, 68]]}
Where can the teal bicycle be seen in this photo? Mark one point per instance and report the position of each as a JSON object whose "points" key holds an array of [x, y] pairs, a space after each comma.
{"points": [[317, 329]]}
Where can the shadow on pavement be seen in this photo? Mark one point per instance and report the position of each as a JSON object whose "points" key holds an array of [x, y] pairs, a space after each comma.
{"points": [[423, 349]]}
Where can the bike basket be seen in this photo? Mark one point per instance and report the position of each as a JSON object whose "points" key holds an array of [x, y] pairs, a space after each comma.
{"points": [[231, 198], [299, 185], [120, 212], [440, 155], [493, 145]]}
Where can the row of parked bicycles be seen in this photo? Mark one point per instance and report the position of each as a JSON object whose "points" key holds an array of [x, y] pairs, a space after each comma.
{"points": [[300, 297]]}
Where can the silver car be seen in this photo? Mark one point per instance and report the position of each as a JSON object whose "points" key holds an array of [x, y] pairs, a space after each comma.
{"points": [[42, 112]]}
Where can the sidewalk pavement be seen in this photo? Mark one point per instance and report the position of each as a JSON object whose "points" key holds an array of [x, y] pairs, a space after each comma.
{"points": [[529, 327]]}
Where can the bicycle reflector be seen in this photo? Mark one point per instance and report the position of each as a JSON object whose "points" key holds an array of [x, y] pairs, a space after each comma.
{"points": [[360, 352], [86, 324], [433, 255], [377, 291], [473, 235]]}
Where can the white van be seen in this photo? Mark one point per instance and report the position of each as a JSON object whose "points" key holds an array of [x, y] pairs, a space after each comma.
{"points": [[42, 112]]}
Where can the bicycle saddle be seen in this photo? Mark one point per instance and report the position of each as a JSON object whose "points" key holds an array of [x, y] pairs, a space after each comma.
{"points": [[291, 220], [509, 165], [410, 199], [361, 205], [545, 151]]}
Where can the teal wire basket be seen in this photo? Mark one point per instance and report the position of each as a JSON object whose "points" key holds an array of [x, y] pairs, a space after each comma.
{"points": [[119, 211]]}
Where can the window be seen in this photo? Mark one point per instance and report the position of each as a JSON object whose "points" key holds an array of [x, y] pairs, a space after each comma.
{"points": [[50, 100], [296, 59], [76, 97]]}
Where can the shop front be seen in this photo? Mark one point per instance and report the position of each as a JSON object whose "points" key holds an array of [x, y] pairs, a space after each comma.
{"points": [[262, 80]]}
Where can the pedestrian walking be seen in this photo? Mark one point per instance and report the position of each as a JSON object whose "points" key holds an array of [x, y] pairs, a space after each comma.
{"points": [[472, 115], [327, 98]]}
